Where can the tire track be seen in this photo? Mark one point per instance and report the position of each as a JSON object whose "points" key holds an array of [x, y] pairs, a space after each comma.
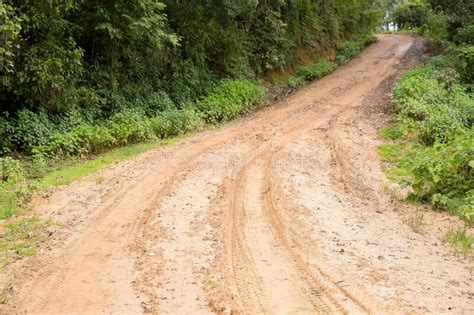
{"points": [[321, 285]]}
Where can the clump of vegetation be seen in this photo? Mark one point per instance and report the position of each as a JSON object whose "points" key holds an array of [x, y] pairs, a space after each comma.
{"points": [[417, 223], [433, 147], [433, 138], [124, 128], [21, 238], [461, 241], [315, 70], [229, 99], [349, 49]]}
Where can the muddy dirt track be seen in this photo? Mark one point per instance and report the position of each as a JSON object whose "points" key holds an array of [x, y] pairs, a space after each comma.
{"points": [[285, 211]]}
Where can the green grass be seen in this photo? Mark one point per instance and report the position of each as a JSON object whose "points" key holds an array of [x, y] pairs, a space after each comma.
{"points": [[21, 238], [8, 203], [391, 133], [390, 152], [70, 173], [461, 241]]}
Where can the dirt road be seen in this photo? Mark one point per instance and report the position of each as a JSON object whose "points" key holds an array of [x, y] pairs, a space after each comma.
{"points": [[285, 211]]}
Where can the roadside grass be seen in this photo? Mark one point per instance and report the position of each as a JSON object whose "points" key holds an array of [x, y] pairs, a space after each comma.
{"points": [[392, 133], [392, 153], [461, 241], [77, 169], [21, 238], [417, 223]]}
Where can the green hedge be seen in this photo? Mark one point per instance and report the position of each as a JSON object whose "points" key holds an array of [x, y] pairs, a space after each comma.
{"points": [[229, 99]]}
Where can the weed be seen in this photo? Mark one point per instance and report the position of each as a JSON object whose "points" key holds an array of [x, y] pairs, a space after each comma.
{"points": [[229, 99], [461, 241], [391, 133], [99, 179], [417, 223], [390, 152], [316, 70], [21, 238], [76, 169]]}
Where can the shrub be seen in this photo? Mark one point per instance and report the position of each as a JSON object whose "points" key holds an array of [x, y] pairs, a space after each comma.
{"points": [[436, 28], [434, 106], [418, 85], [81, 140], [174, 122], [36, 166], [349, 49], [5, 130], [69, 120], [442, 123], [432, 98], [295, 82], [186, 81], [31, 129], [122, 128], [157, 102], [444, 173], [11, 169], [465, 56], [229, 99], [465, 35], [316, 70], [129, 127]]}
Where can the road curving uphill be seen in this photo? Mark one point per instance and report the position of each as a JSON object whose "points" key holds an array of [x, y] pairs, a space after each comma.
{"points": [[281, 212]]}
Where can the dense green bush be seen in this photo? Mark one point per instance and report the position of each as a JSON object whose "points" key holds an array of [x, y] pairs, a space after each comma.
{"points": [[229, 99], [465, 57], [129, 127], [295, 81], [316, 70], [437, 113], [465, 35], [122, 128], [174, 122], [410, 14], [434, 100], [30, 129], [11, 170], [81, 140], [444, 173]]}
